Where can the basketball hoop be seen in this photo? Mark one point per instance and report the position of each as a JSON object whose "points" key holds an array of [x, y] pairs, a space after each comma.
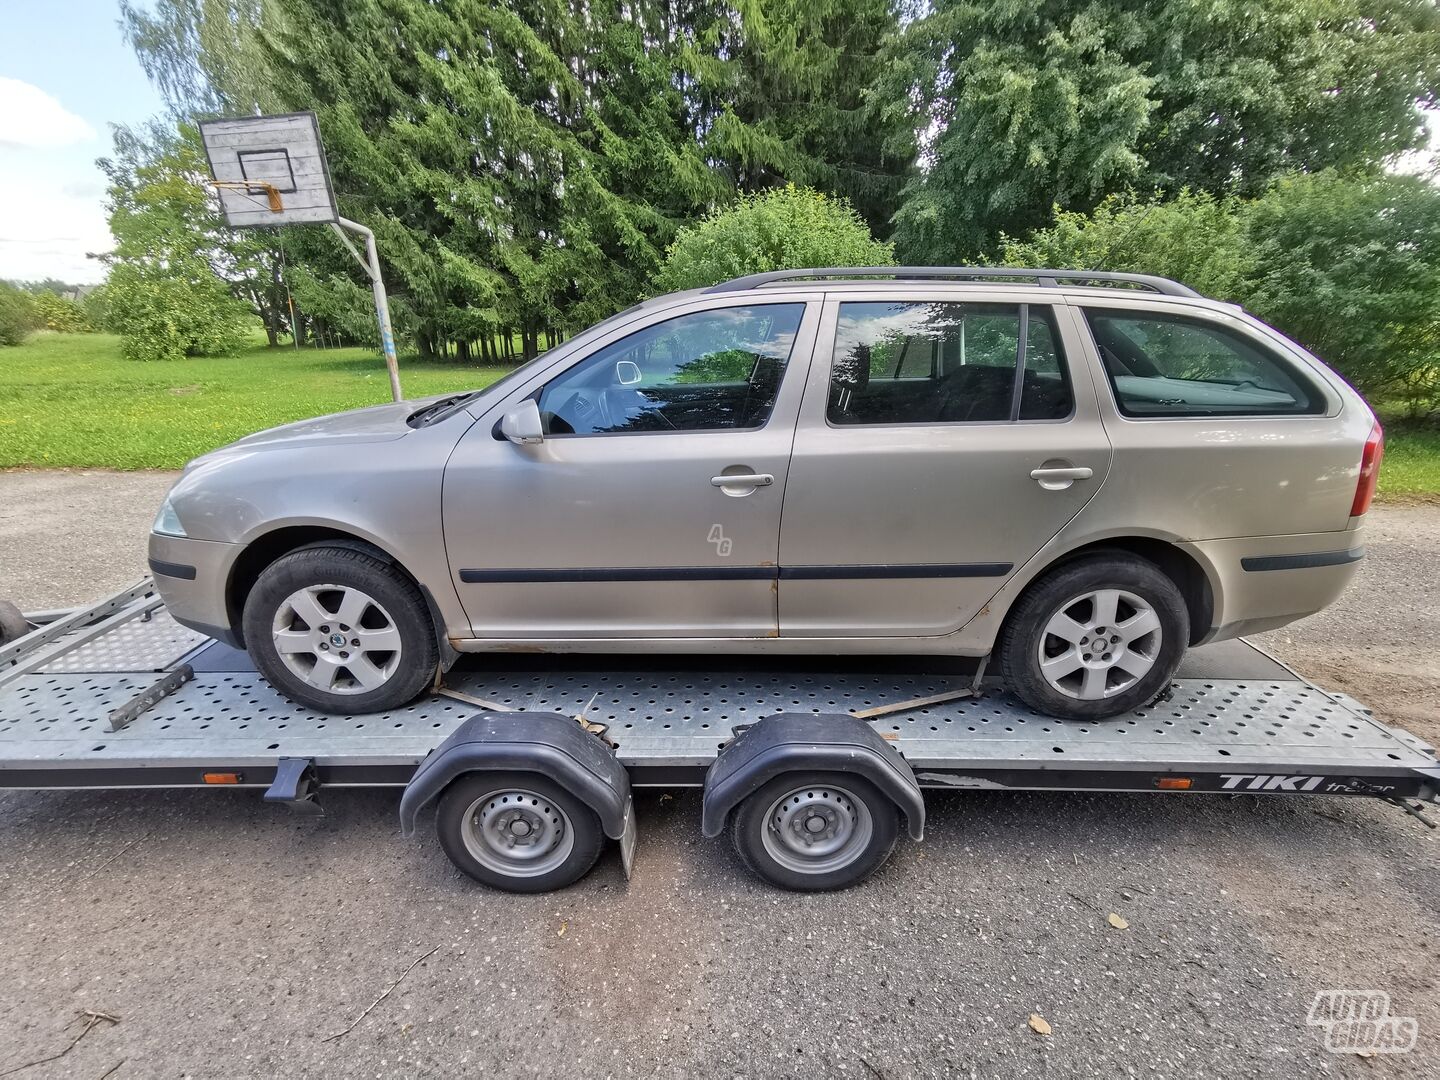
{"points": [[255, 160], [270, 191]]}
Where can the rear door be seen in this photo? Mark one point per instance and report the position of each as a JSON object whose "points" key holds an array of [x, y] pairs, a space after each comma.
{"points": [[941, 443]]}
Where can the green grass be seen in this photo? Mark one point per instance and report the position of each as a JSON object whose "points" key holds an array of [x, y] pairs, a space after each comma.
{"points": [[72, 400], [1411, 469]]}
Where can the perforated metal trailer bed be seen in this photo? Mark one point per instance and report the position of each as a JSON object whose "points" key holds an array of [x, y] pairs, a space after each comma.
{"points": [[120, 696]]}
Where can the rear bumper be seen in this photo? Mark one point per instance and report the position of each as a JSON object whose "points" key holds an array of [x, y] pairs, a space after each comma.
{"points": [[1263, 582], [190, 576]]}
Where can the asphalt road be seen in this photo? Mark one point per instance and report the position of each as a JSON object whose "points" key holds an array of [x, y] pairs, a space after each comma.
{"points": [[232, 939]]}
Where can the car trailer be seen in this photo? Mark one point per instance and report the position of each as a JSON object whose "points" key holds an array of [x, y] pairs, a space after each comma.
{"points": [[531, 767]]}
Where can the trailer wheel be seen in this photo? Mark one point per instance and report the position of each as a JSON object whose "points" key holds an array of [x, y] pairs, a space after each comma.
{"points": [[518, 831], [814, 831], [12, 623]]}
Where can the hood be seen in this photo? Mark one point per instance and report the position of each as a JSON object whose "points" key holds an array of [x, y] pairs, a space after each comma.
{"points": [[378, 423]]}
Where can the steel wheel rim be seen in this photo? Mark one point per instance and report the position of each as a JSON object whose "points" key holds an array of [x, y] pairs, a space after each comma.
{"points": [[336, 638], [517, 833], [1099, 643], [817, 829]]}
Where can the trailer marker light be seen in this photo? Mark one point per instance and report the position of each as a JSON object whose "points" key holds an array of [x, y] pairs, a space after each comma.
{"points": [[1174, 783], [221, 777]]}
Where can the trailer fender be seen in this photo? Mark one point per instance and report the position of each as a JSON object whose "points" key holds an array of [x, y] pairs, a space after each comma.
{"points": [[807, 742], [546, 743]]}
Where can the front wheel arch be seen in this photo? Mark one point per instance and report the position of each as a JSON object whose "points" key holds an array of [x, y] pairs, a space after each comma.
{"points": [[266, 548]]}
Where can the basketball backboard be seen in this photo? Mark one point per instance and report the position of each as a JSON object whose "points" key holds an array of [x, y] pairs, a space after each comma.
{"points": [[259, 162]]}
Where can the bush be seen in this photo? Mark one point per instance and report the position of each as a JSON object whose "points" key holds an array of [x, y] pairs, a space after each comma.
{"points": [[95, 306], [787, 229], [17, 314], [164, 316], [1351, 269], [1347, 266], [59, 314]]}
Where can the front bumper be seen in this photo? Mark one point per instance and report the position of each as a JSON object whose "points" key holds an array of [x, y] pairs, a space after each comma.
{"points": [[191, 576]]}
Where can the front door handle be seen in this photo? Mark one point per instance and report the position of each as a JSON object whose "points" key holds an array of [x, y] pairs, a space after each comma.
{"points": [[754, 479], [1060, 477]]}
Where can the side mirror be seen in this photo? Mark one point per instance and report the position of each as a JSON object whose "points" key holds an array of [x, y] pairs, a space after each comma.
{"points": [[521, 425], [627, 372]]}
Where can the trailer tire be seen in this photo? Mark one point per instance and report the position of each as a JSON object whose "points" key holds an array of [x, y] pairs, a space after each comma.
{"points": [[519, 832], [815, 831], [400, 664], [13, 625]]}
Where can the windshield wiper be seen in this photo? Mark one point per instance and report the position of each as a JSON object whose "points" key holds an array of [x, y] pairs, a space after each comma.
{"points": [[438, 410]]}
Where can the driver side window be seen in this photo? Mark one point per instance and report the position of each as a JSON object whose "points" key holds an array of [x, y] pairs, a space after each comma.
{"points": [[705, 371]]}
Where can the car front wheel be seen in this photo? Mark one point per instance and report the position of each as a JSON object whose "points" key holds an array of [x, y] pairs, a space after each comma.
{"points": [[1095, 638], [340, 630]]}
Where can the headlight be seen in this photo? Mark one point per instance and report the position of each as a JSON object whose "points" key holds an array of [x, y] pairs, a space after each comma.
{"points": [[167, 522]]}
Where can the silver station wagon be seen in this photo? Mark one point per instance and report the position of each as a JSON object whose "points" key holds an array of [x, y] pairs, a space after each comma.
{"points": [[1081, 474]]}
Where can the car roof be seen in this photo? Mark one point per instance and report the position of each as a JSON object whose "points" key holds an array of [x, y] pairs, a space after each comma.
{"points": [[1008, 275], [970, 282]]}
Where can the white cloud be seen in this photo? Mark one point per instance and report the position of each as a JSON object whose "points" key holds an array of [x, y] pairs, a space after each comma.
{"points": [[45, 232], [29, 117]]}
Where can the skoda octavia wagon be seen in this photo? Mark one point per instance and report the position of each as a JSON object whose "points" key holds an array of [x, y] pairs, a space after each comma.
{"points": [[1082, 474]]}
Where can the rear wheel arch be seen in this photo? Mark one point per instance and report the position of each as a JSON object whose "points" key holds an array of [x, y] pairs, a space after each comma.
{"points": [[1182, 568]]}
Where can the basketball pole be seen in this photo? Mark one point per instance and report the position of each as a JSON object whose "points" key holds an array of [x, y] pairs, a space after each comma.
{"points": [[370, 263]]}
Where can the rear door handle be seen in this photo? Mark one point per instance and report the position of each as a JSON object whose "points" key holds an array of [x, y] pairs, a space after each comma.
{"points": [[754, 479], [1066, 472], [1060, 477]]}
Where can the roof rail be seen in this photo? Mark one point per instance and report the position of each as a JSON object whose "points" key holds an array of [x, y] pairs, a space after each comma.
{"points": [[1051, 278]]}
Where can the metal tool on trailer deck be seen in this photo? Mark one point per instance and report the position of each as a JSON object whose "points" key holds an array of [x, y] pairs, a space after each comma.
{"points": [[542, 792]]}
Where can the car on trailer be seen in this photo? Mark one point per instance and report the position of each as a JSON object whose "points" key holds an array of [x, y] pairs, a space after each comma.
{"points": [[1081, 473]]}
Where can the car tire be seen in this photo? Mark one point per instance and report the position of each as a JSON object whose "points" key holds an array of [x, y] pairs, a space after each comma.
{"points": [[1094, 638], [864, 825], [308, 607], [479, 817], [13, 625]]}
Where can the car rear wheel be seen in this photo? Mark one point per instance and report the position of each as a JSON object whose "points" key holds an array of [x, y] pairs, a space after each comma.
{"points": [[1095, 638], [341, 631]]}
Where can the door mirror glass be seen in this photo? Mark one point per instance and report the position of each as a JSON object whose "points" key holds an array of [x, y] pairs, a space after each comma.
{"points": [[521, 425], [627, 372]]}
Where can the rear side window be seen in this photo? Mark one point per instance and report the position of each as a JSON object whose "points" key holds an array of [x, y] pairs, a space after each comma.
{"points": [[946, 363], [1177, 365]]}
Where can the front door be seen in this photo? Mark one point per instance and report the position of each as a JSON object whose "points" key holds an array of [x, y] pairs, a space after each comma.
{"points": [[652, 506], [941, 444]]}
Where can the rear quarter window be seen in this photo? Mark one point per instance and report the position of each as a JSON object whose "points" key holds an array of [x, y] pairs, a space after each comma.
{"points": [[1163, 365]]}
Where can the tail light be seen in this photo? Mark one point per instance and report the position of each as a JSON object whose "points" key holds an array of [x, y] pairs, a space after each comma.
{"points": [[1369, 471]]}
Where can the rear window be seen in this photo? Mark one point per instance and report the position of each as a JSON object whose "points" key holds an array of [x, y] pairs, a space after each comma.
{"points": [[1175, 365]]}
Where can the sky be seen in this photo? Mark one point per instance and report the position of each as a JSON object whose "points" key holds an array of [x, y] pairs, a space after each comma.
{"points": [[66, 74]]}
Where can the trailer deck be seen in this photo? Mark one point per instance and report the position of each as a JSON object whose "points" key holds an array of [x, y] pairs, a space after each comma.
{"points": [[1260, 728]]}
